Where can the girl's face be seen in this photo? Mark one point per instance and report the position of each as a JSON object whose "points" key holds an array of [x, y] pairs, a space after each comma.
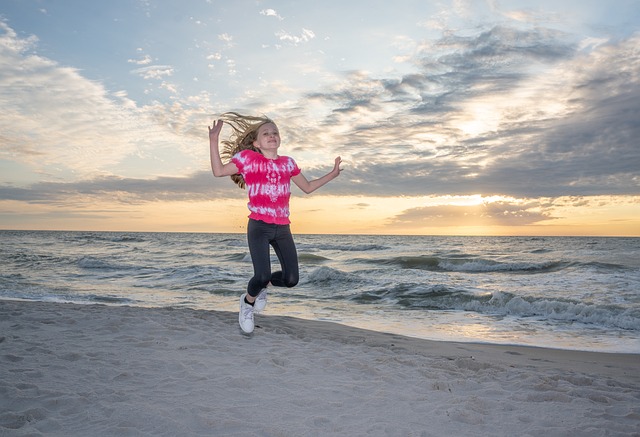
{"points": [[268, 138]]}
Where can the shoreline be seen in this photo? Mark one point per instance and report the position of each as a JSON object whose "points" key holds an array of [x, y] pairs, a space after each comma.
{"points": [[103, 370]]}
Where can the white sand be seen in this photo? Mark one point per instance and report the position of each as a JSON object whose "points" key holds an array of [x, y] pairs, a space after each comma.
{"points": [[69, 370]]}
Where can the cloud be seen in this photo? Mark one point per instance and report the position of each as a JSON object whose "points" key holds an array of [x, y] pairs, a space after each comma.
{"points": [[201, 186], [509, 112], [154, 71], [146, 60], [11, 45], [64, 126], [271, 13], [225, 37], [40, 98], [487, 214], [306, 36]]}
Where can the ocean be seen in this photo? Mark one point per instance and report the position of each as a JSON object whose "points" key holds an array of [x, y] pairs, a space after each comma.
{"points": [[579, 293]]}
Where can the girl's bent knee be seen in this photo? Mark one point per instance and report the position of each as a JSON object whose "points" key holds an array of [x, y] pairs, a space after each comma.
{"points": [[291, 282]]}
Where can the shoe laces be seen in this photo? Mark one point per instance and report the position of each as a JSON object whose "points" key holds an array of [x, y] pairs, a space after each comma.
{"points": [[247, 311]]}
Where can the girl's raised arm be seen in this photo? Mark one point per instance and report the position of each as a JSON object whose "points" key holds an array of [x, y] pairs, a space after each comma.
{"points": [[310, 186], [219, 169]]}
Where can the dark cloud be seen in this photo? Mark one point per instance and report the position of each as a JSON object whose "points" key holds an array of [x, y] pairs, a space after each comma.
{"points": [[495, 214], [502, 49], [590, 148], [497, 59], [199, 187]]}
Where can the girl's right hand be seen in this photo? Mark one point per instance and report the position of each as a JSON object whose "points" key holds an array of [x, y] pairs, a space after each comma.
{"points": [[217, 127], [336, 167]]}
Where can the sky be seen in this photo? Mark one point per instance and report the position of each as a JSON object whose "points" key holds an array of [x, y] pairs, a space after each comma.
{"points": [[451, 117]]}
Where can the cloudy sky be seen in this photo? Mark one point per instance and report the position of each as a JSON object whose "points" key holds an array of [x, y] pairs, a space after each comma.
{"points": [[452, 117]]}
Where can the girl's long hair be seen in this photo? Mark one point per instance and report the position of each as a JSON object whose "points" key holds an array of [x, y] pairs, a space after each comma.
{"points": [[244, 133]]}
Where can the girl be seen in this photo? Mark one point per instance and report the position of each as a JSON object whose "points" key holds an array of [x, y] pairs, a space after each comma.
{"points": [[254, 162]]}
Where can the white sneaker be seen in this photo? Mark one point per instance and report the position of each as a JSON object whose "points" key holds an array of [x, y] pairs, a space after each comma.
{"points": [[246, 316], [261, 301]]}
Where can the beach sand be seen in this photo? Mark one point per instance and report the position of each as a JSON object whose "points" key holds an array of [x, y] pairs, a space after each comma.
{"points": [[94, 370]]}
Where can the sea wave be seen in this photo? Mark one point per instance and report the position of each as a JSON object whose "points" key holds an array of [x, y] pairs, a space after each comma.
{"points": [[238, 256], [94, 263], [114, 300], [96, 237], [309, 258], [566, 310], [198, 277], [470, 264], [353, 247], [127, 239], [31, 260], [327, 276], [441, 297], [484, 265]]}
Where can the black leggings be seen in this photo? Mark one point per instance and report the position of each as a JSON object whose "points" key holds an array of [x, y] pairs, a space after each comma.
{"points": [[259, 236]]}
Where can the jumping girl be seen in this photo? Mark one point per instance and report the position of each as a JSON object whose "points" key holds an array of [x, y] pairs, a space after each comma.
{"points": [[254, 163]]}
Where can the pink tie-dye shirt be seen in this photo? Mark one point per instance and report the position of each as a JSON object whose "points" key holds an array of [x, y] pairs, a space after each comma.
{"points": [[268, 185]]}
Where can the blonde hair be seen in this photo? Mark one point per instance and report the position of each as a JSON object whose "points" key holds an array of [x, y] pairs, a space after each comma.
{"points": [[244, 133]]}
